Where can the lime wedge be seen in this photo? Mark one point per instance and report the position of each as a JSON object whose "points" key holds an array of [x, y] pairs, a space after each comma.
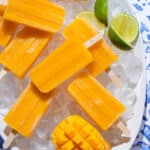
{"points": [[101, 10], [123, 31], [91, 19]]}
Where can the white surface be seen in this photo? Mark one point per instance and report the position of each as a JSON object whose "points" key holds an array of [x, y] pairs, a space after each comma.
{"points": [[135, 123]]}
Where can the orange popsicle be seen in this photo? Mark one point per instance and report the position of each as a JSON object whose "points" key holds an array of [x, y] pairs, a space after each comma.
{"points": [[23, 50], [101, 52], [103, 57], [97, 102], [62, 63], [25, 114], [7, 28], [79, 29], [40, 14], [80, 133]]}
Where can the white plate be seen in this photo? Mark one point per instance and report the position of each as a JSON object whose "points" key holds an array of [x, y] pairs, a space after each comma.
{"points": [[135, 123]]}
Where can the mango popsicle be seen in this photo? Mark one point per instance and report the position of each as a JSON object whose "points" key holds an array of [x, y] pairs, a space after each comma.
{"points": [[7, 28], [28, 12], [103, 55], [97, 102], [79, 29], [23, 50], [61, 64], [25, 114], [76, 133]]}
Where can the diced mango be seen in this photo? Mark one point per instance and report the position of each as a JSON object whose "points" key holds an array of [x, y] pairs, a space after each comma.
{"points": [[98, 136], [85, 130], [86, 146], [25, 114], [96, 101], [68, 146], [23, 50], [62, 63], [78, 141], [61, 139], [40, 14]]}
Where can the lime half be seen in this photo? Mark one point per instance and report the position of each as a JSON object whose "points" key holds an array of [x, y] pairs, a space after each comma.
{"points": [[101, 10], [124, 30], [91, 19]]}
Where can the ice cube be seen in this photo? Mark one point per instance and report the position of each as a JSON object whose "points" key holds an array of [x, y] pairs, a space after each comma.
{"points": [[43, 129], [40, 143], [51, 145], [128, 98], [120, 73], [4, 2], [10, 89], [60, 114], [132, 67], [24, 143]]}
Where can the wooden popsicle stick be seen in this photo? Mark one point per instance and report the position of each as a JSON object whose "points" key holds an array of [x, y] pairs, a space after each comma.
{"points": [[114, 78], [123, 128], [3, 73], [94, 40], [10, 139]]}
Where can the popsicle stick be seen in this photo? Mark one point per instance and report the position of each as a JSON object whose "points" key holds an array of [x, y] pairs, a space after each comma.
{"points": [[3, 74], [123, 128], [9, 139], [94, 40], [114, 78]]}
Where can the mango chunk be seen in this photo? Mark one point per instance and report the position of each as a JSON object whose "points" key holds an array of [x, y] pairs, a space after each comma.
{"points": [[76, 140]]}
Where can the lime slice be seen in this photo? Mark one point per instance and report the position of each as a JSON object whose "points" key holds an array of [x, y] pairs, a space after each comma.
{"points": [[101, 10], [124, 30], [91, 19]]}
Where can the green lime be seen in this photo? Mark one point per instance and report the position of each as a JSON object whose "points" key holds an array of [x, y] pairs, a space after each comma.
{"points": [[91, 19], [101, 10], [124, 30]]}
